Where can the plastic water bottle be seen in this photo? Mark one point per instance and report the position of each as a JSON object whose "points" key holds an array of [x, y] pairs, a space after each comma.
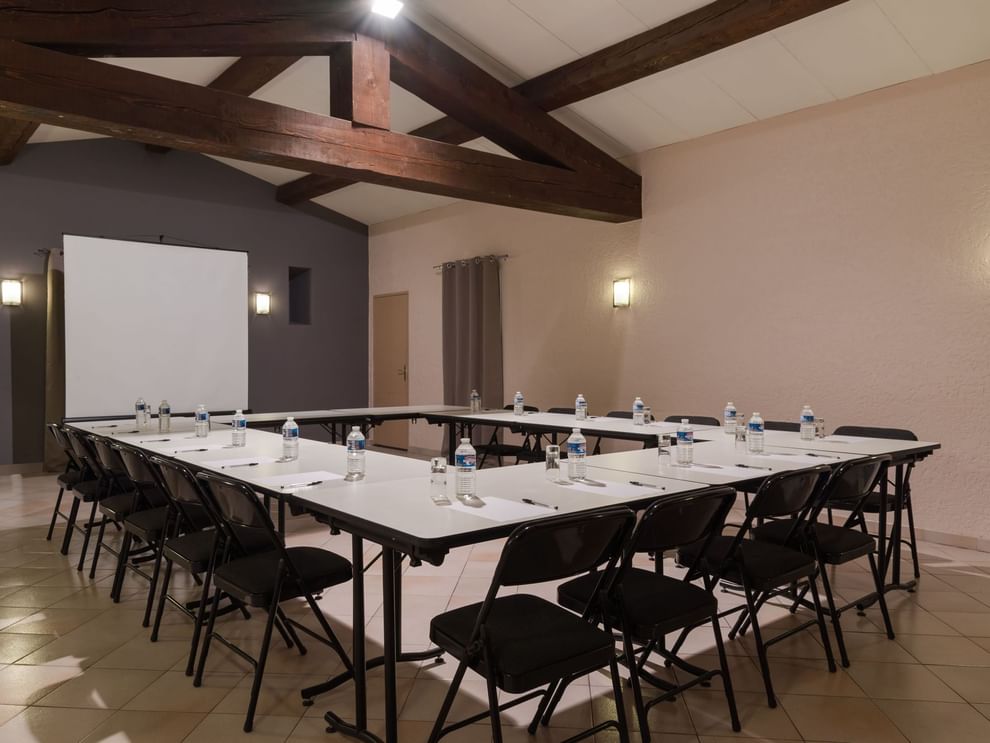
{"points": [[141, 413], [465, 464], [577, 451], [475, 401], [581, 408], [239, 429], [290, 440], [202, 422], [355, 454], [807, 423], [164, 417], [639, 412], [754, 434], [729, 418], [517, 404], [685, 444]]}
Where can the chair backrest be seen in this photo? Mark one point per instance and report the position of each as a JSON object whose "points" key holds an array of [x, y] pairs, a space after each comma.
{"points": [[694, 420], [83, 450], [562, 546], [787, 493], [247, 524], [527, 408], [682, 520], [620, 414], [852, 482], [900, 434], [793, 426], [62, 441], [110, 460], [563, 411], [142, 475], [179, 484]]}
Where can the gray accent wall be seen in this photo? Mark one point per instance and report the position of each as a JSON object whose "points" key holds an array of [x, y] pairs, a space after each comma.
{"points": [[115, 189]]}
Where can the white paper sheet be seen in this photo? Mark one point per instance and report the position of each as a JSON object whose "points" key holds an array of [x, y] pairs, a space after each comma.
{"points": [[614, 489], [225, 463], [800, 460], [502, 510], [729, 470], [201, 447], [299, 479]]}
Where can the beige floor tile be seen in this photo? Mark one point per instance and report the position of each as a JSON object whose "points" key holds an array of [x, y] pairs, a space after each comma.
{"points": [[279, 695], [969, 624], [983, 709], [13, 647], [973, 684], [53, 621], [140, 653], [878, 648], [950, 601], [8, 711], [710, 715], [146, 727], [100, 688], [10, 615], [37, 597], [935, 722], [949, 651], [27, 684], [229, 727], [901, 681], [665, 717], [52, 725], [174, 691], [840, 719], [28, 576], [974, 581], [804, 676]]}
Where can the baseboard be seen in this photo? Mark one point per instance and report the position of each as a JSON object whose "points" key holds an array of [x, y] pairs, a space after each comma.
{"points": [[33, 468]]}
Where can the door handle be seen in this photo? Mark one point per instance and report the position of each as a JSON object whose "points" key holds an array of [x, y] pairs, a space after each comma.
{"points": [[403, 373]]}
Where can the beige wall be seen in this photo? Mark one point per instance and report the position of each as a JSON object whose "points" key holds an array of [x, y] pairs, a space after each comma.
{"points": [[839, 256]]}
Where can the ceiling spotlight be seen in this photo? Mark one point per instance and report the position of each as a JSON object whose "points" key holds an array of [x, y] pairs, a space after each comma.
{"points": [[387, 8]]}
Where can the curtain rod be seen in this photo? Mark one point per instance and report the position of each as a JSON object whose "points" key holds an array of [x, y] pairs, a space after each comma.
{"points": [[476, 259]]}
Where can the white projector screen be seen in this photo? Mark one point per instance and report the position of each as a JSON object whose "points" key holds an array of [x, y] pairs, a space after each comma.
{"points": [[154, 321]]}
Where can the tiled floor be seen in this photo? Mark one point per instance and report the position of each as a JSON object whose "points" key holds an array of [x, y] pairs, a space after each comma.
{"points": [[75, 667]]}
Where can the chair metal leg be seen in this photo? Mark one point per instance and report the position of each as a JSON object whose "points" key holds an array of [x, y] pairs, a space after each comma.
{"points": [[541, 708], [156, 571], [86, 536], [259, 670], [162, 598], [122, 558], [493, 711], [98, 549], [813, 590], [881, 599], [58, 504], [200, 619], [723, 661], [70, 525], [637, 689], [201, 668], [834, 615], [914, 537], [761, 649], [292, 632], [620, 707], [448, 702]]}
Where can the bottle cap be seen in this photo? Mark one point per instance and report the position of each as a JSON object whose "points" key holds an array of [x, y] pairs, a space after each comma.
{"points": [[239, 412], [685, 421], [576, 430], [756, 414], [291, 418], [355, 428], [730, 405]]}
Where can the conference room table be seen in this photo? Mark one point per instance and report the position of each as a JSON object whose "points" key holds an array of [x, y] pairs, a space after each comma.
{"points": [[337, 421], [392, 507], [554, 425]]}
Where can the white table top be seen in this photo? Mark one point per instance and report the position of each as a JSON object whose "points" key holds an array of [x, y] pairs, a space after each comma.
{"points": [[304, 416], [846, 444], [563, 421]]}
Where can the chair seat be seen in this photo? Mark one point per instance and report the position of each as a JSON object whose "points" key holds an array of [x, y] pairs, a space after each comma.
{"points": [[871, 505], [652, 604], [88, 490], [251, 580], [117, 507], [192, 551], [764, 565], [532, 641], [148, 524], [69, 479], [836, 544]]}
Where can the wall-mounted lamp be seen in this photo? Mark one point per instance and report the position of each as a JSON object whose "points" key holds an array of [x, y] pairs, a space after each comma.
{"points": [[263, 303], [622, 292], [387, 8], [12, 292]]}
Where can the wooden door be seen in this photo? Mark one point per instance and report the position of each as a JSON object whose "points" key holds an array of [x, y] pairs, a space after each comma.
{"points": [[390, 313]]}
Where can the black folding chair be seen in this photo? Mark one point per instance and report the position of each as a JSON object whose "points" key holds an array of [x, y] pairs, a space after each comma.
{"points": [[872, 504], [851, 483], [561, 411], [763, 570], [647, 605], [521, 642], [694, 420], [74, 473], [792, 426], [265, 579], [528, 451]]}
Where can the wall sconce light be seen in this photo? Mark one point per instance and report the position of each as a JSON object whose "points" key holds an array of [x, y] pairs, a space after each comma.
{"points": [[263, 303], [622, 292], [387, 8], [12, 292]]}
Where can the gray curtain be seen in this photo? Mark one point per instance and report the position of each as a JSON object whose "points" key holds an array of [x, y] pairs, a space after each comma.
{"points": [[472, 332], [54, 357]]}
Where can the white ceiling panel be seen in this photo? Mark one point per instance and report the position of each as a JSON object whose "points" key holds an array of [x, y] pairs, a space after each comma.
{"points": [[486, 145], [409, 112], [372, 204], [503, 31], [690, 101], [305, 85], [46, 133], [584, 25], [197, 70], [656, 12], [271, 173], [947, 33], [628, 120], [852, 48], [764, 77]]}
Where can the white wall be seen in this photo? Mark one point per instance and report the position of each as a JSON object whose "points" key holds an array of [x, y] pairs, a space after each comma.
{"points": [[838, 255]]}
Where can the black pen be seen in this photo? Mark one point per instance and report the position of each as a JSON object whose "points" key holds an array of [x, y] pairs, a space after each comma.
{"points": [[754, 467], [183, 451], [532, 502], [245, 464], [646, 485], [154, 441], [302, 484]]}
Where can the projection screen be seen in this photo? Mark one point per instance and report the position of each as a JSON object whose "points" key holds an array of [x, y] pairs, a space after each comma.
{"points": [[155, 321]]}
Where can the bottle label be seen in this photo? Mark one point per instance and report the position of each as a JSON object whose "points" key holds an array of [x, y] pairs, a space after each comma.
{"points": [[355, 445], [164, 411], [685, 437], [465, 460], [240, 423], [755, 427], [730, 414], [290, 433], [807, 418], [577, 448], [202, 416], [139, 407], [638, 407]]}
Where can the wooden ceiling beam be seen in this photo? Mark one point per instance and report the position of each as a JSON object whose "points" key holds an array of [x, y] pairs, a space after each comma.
{"points": [[359, 83], [50, 87], [708, 29], [14, 135]]}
